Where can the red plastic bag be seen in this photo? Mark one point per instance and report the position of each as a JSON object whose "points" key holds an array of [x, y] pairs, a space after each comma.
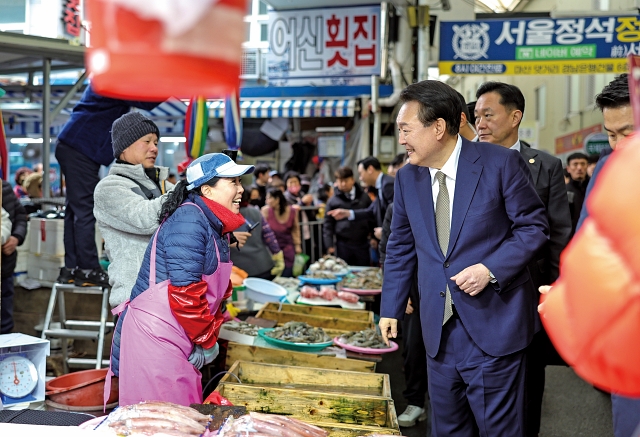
{"points": [[216, 398]]}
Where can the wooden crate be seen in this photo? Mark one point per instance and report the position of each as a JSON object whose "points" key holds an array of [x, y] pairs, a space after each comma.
{"points": [[259, 354], [323, 317], [323, 409], [344, 430], [341, 313], [309, 379]]}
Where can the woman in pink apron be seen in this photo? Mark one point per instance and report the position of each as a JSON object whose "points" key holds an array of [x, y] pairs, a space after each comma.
{"points": [[169, 327]]}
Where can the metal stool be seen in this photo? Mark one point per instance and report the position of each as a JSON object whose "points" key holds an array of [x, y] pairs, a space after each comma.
{"points": [[78, 328]]}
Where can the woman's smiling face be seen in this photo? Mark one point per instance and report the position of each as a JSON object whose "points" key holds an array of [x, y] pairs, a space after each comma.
{"points": [[227, 192]]}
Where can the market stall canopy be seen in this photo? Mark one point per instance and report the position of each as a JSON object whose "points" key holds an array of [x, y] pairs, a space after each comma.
{"points": [[282, 108]]}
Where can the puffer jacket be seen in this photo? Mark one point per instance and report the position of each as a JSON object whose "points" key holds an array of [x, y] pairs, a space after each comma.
{"points": [[185, 251], [127, 219], [18, 217]]}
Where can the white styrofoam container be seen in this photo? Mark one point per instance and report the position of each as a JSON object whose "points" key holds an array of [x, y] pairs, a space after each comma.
{"points": [[227, 334], [32, 348], [44, 267], [46, 236], [263, 291]]}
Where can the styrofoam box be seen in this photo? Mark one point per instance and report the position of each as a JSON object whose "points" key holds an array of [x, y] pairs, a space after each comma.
{"points": [[36, 350], [46, 236], [226, 334], [44, 267]]}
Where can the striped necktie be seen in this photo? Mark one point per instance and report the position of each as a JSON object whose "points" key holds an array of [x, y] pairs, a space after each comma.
{"points": [[443, 229]]}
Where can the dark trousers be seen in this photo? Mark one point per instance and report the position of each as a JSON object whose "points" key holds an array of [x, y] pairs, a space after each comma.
{"points": [[472, 393], [81, 178], [7, 305], [415, 359], [540, 353], [352, 253], [626, 415]]}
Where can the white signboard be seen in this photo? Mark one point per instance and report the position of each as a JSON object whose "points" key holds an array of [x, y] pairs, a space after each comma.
{"points": [[328, 46]]}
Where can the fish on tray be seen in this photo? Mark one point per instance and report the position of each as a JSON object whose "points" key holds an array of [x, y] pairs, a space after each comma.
{"points": [[299, 332], [241, 327], [365, 339]]}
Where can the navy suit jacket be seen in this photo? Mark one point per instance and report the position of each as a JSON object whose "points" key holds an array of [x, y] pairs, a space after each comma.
{"points": [[498, 220]]}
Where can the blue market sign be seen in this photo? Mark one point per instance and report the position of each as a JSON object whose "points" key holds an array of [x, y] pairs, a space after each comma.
{"points": [[539, 46]]}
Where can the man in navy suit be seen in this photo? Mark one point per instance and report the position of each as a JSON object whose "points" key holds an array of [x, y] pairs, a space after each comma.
{"points": [[467, 215]]}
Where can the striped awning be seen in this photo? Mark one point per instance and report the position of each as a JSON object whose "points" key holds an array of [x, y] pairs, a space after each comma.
{"points": [[297, 108]]}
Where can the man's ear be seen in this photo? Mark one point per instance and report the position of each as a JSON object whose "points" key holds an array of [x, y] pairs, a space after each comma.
{"points": [[516, 117], [441, 127]]}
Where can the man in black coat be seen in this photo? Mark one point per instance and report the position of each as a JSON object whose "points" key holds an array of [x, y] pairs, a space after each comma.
{"points": [[348, 239], [18, 217], [499, 110], [371, 175]]}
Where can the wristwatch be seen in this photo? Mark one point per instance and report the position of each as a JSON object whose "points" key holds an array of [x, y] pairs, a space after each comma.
{"points": [[492, 278]]}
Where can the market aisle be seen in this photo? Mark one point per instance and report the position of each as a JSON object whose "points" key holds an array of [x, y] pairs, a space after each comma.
{"points": [[570, 408]]}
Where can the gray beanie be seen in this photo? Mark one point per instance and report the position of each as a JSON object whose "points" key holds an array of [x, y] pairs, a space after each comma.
{"points": [[130, 128]]}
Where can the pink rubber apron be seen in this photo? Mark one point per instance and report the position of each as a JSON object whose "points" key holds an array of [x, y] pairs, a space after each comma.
{"points": [[154, 348]]}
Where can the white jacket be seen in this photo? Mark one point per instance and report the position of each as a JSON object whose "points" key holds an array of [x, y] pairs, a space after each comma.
{"points": [[6, 226]]}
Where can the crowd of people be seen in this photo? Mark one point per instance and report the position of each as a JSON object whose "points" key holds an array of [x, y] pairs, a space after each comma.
{"points": [[461, 269]]}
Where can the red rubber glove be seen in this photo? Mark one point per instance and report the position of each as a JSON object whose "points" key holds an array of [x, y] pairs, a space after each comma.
{"points": [[191, 309]]}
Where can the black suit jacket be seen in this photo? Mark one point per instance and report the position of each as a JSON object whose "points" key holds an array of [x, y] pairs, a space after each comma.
{"points": [[548, 179], [378, 208]]}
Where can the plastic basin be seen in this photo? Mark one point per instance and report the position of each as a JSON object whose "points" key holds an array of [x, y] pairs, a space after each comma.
{"points": [[81, 389], [263, 291]]}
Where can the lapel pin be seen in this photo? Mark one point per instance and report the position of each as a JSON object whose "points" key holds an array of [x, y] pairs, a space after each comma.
{"points": [[531, 161]]}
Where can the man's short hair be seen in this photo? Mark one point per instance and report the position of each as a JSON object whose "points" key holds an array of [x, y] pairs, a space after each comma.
{"points": [[615, 94], [464, 105], [343, 173], [577, 155], [593, 159], [398, 160], [436, 100], [510, 95], [260, 170], [471, 109], [370, 161]]}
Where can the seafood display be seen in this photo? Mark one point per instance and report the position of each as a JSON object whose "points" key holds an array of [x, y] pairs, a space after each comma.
{"points": [[328, 293], [347, 296], [298, 332], [320, 274], [367, 279], [290, 284], [156, 418], [259, 424], [242, 327], [329, 263], [366, 339]]}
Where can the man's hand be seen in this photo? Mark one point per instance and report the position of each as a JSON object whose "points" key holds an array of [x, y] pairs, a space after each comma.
{"points": [[242, 237], [377, 232], [473, 279], [307, 199], [543, 289], [409, 309], [388, 328], [339, 214], [10, 246]]}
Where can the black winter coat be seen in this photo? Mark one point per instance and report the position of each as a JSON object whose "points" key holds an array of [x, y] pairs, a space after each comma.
{"points": [[346, 230], [18, 216]]}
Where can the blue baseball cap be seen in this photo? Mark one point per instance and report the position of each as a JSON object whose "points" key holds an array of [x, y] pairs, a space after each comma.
{"points": [[214, 165]]}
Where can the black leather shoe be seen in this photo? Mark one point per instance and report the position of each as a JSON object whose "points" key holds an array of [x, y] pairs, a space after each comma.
{"points": [[95, 278], [66, 276]]}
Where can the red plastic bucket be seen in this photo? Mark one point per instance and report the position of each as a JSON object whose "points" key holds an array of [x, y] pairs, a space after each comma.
{"points": [[81, 389], [134, 58]]}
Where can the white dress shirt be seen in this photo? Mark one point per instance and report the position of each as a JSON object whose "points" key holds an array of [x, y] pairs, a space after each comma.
{"points": [[450, 169]]}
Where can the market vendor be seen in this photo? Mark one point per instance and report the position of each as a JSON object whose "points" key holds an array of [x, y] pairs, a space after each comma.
{"points": [[169, 327]]}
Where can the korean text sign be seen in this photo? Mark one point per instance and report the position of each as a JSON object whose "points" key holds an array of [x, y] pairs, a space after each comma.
{"points": [[584, 45], [327, 46]]}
